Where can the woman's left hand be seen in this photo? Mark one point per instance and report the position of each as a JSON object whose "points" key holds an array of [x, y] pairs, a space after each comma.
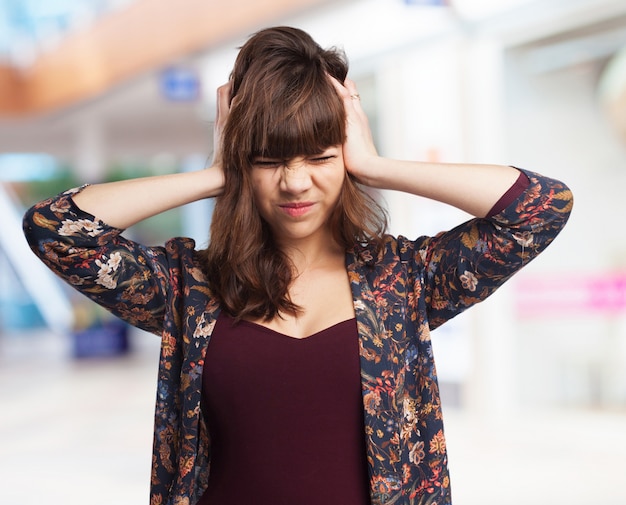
{"points": [[359, 151]]}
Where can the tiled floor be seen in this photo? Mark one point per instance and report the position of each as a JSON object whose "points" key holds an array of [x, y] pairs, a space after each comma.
{"points": [[77, 433]]}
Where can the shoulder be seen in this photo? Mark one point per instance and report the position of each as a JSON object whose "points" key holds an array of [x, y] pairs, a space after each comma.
{"points": [[184, 260], [178, 246]]}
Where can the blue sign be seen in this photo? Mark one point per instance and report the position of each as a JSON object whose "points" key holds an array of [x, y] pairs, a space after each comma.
{"points": [[180, 84], [432, 3]]}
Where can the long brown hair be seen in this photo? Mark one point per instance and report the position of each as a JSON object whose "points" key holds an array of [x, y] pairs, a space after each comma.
{"points": [[282, 105]]}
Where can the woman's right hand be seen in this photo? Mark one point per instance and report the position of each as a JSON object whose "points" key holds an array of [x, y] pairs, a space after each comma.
{"points": [[124, 203], [221, 116]]}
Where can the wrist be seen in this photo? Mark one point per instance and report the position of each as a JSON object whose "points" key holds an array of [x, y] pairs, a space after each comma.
{"points": [[211, 181], [369, 171]]}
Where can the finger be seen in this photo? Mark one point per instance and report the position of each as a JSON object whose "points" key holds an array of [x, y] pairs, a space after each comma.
{"points": [[223, 106], [353, 94], [340, 88], [347, 91], [350, 87], [221, 115]]}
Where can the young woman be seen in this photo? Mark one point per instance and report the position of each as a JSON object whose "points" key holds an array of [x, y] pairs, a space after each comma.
{"points": [[296, 364]]}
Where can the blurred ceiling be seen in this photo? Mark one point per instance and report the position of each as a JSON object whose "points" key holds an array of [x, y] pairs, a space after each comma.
{"points": [[30, 27], [63, 51]]}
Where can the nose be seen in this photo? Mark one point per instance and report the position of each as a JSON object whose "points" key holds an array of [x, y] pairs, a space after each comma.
{"points": [[295, 177]]}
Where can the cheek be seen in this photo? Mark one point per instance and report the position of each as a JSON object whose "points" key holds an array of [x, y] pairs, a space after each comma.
{"points": [[337, 183], [260, 185], [261, 195]]}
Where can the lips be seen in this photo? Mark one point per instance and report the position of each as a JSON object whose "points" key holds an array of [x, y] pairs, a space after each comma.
{"points": [[296, 209]]}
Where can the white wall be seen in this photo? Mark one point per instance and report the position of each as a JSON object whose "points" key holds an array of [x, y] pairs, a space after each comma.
{"points": [[555, 124]]}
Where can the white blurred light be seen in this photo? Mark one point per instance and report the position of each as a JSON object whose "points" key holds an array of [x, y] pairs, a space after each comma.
{"points": [[477, 9], [612, 91], [370, 27], [612, 82], [27, 167]]}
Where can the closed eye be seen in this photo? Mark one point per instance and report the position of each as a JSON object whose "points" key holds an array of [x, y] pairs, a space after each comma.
{"points": [[277, 163], [322, 159], [268, 163]]}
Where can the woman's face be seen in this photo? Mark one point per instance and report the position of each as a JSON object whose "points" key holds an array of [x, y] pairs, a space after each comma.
{"points": [[297, 196]]}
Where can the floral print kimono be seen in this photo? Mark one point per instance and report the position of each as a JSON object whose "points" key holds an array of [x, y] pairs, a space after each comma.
{"points": [[400, 295]]}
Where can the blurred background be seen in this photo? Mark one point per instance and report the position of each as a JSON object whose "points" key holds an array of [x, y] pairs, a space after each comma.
{"points": [[533, 380]]}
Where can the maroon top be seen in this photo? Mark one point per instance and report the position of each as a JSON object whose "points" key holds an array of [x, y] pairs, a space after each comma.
{"points": [[286, 416], [518, 187]]}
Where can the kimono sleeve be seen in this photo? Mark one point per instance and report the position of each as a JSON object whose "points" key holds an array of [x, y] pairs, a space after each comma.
{"points": [[465, 265], [126, 278]]}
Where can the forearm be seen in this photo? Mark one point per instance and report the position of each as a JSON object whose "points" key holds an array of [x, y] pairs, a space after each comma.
{"points": [[124, 203], [125, 277], [474, 188]]}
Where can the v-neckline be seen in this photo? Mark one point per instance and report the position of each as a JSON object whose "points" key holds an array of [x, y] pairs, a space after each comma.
{"points": [[319, 333]]}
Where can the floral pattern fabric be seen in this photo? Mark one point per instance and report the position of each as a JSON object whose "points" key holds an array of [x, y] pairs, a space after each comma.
{"points": [[400, 295]]}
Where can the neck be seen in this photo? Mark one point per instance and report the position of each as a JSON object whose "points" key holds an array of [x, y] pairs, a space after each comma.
{"points": [[310, 255]]}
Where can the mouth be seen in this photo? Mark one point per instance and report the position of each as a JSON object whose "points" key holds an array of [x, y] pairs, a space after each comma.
{"points": [[296, 209]]}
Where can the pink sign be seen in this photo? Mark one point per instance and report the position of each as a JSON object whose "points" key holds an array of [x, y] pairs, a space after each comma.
{"points": [[572, 294]]}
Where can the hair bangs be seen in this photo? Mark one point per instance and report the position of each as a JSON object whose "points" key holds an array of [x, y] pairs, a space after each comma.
{"points": [[304, 122]]}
